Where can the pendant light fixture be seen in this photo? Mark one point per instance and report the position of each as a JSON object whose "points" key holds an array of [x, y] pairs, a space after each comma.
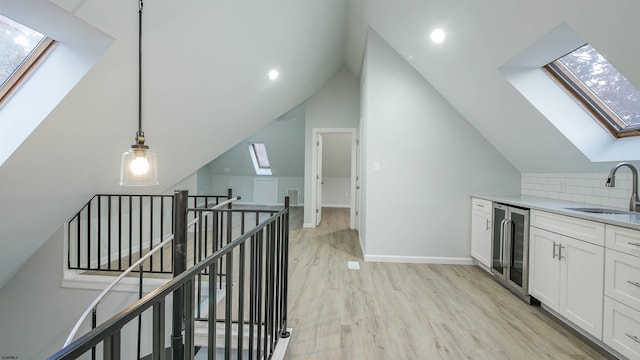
{"points": [[138, 165]]}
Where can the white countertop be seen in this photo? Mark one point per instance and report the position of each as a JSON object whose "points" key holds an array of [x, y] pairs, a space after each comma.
{"points": [[630, 220]]}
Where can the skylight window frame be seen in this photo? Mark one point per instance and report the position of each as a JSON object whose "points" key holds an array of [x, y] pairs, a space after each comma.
{"points": [[260, 162], [588, 100], [35, 57]]}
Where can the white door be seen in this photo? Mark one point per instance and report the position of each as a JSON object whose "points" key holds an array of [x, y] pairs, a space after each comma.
{"points": [[319, 181], [544, 267], [357, 190]]}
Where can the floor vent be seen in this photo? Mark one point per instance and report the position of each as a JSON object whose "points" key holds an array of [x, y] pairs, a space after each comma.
{"points": [[293, 196]]}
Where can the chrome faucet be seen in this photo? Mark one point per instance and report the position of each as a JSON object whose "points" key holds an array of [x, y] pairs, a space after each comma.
{"points": [[634, 202]]}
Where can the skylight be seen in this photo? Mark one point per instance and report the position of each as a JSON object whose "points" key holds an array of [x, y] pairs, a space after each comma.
{"points": [[600, 89], [20, 49], [260, 159]]}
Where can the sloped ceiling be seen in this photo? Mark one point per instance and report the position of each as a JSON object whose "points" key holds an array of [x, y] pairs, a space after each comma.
{"points": [[481, 37], [205, 86]]}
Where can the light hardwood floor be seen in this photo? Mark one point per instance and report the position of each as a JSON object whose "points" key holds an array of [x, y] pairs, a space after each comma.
{"points": [[406, 311]]}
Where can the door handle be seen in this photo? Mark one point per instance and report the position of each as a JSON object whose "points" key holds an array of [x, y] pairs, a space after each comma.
{"points": [[560, 252], [508, 245], [502, 242], [554, 249]]}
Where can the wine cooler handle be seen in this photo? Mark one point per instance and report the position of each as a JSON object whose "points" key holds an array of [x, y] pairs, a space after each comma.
{"points": [[502, 235]]}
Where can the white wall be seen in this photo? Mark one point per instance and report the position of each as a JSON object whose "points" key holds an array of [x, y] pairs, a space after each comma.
{"points": [[431, 162], [243, 186], [334, 106], [336, 191]]}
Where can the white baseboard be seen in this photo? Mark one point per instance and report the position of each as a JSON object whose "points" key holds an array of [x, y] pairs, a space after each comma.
{"points": [[341, 206], [418, 260], [308, 225]]}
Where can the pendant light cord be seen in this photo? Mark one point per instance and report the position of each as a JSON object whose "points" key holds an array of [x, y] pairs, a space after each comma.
{"points": [[140, 133]]}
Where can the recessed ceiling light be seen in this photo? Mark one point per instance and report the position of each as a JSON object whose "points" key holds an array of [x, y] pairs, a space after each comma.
{"points": [[437, 36], [273, 74]]}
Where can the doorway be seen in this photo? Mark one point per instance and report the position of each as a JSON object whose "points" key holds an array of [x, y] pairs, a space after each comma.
{"points": [[334, 172]]}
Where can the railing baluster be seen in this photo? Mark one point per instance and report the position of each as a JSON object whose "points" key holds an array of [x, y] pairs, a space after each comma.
{"points": [[89, 236], [241, 274], [130, 230], [109, 233], [259, 291], [162, 233], [78, 236], [111, 348], [158, 330], [99, 239], [228, 306], [211, 325], [189, 352], [120, 232], [150, 232], [140, 225], [252, 293]]}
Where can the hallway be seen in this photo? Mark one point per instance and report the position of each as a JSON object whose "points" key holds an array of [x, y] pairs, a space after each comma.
{"points": [[406, 311]]}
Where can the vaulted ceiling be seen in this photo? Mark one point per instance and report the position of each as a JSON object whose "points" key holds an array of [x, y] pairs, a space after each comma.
{"points": [[206, 89]]}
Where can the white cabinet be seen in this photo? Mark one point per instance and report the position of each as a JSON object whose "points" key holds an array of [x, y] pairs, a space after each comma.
{"points": [[621, 329], [566, 275], [481, 231], [566, 272]]}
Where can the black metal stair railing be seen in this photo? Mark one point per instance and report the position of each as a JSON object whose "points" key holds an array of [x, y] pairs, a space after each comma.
{"points": [[253, 315], [111, 232]]}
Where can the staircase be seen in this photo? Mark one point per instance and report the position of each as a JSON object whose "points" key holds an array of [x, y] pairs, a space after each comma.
{"points": [[237, 256]]}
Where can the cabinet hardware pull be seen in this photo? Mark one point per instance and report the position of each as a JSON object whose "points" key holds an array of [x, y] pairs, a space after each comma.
{"points": [[634, 243], [488, 224], [634, 283], [560, 252], [635, 338], [554, 249]]}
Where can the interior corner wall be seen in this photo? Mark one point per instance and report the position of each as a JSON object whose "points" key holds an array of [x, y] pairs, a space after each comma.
{"points": [[430, 162], [334, 106]]}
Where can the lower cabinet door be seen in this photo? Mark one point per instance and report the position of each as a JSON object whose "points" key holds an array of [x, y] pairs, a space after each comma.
{"points": [[582, 284], [481, 237], [621, 328], [544, 267]]}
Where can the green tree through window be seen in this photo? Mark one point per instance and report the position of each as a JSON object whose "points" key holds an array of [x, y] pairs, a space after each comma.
{"points": [[600, 88]]}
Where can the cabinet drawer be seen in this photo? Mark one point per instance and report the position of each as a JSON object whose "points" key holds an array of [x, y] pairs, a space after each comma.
{"points": [[481, 205], [622, 278], [585, 230], [623, 239], [622, 328]]}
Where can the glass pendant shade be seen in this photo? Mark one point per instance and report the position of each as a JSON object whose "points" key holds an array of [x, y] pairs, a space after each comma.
{"points": [[138, 167]]}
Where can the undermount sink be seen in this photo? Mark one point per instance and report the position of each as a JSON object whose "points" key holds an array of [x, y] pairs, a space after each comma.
{"points": [[599, 210]]}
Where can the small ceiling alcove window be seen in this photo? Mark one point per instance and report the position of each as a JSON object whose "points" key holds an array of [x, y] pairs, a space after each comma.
{"points": [[21, 48], [601, 89], [260, 159]]}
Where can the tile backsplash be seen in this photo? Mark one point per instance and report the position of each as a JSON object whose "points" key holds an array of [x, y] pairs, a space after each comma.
{"points": [[580, 187]]}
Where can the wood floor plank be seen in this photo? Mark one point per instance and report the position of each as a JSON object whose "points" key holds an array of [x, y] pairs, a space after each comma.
{"points": [[407, 311]]}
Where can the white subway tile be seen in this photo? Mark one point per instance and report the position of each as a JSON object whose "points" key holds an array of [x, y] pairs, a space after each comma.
{"points": [[578, 198]]}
